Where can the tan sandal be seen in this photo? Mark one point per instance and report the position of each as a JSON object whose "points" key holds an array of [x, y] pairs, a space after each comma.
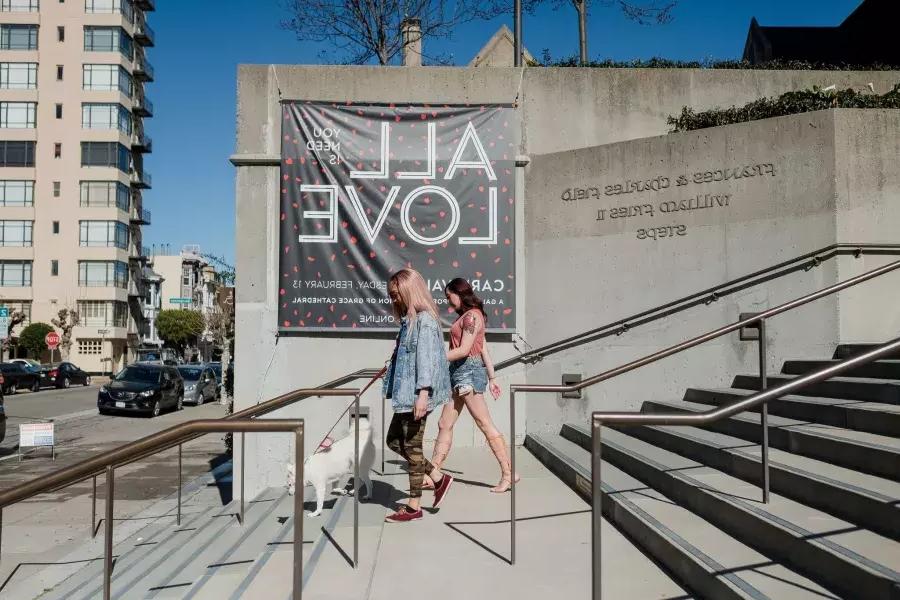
{"points": [[498, 447]]}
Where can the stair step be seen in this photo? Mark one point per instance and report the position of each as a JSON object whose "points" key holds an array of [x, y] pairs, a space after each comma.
{"points": [[236, 572], [837, 554], [868, 501], [845, 351], [707, 561], [879, 369], [867, 389], [872, 417], [865, 452], [173, 578], [136, 553]]}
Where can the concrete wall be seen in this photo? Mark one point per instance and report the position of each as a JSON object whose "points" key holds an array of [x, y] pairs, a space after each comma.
{"points": [[561, 109]]}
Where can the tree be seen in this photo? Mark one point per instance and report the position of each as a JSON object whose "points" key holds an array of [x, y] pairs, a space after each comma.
{"points": [[180, 328], [363, 30], [16, 318], [645, 13], [32, 339], [66, 320]]}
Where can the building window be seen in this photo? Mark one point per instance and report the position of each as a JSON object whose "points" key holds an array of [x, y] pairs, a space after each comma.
{"points": [[106, 154], [56, 189], [107, 78], [16, 154], [22, 306], [59, 72], [105, 116], [105, 194], [111, 273], [19, 5], [90, 347], [59, 111], [16, 233], [18, 115], [57, 150], [108, 39], [18, 76], [16, 193], [18, 37], [54, 268], [110, 6], [15, 273], [103, 314], [61, 33], [104, 234], [55, 227]]}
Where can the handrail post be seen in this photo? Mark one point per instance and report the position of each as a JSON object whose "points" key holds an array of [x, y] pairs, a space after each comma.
{"points": [[108, 534], [356, 483], [178, 518], [597, 511], [512, 478], [242, 478], [94, 508], [764, 421], [298, 515]]}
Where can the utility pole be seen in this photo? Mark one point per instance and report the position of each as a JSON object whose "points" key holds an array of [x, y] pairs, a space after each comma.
{"points": [[517, 32]]}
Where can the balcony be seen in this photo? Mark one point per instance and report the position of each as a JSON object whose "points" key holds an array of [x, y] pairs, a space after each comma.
{"points": [[141, 180], [20, 6], [141, 254], [140, 216], [143, 70], [135, 289], [141, 142], [146, 5], [144, 34], [142, 107]]}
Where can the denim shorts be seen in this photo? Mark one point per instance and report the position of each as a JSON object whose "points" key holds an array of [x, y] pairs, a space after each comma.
{"points": [[468, 375]]}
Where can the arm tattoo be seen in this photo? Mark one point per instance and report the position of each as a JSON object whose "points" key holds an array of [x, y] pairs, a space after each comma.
{"points": [[470, 323]]}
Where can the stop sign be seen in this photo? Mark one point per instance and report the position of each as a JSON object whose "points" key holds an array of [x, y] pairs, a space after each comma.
{"points": [[52, 340]]}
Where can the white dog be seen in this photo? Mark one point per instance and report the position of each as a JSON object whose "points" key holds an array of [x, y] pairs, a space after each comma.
{"points": [[324, 469]]}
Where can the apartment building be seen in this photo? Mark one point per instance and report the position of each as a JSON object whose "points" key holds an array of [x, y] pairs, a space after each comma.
{"points": [[72, 145]]}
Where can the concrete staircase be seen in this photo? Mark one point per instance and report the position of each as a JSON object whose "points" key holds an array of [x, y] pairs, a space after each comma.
{"points": [[690, 497]]}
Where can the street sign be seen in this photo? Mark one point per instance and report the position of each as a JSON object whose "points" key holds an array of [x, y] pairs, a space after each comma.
{"points": [[37, 435], [52, 340], [4, 322], [181, 301]]}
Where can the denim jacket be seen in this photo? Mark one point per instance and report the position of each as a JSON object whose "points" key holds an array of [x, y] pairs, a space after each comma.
{"points": [[419, 362]]}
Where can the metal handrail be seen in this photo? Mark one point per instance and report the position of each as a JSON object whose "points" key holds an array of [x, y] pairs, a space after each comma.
{"points": [[598, 419], [707, 296], [756, 321], [164, 439]]}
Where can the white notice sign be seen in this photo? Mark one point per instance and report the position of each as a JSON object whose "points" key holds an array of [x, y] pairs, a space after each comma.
{"points": [[35, 435]]}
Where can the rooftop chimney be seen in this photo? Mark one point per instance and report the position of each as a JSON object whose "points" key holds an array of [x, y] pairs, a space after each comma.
{"points": [[411, 30]]}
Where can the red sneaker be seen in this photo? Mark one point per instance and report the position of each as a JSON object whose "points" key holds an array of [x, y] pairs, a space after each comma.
{"points": [[441, 489], [404, 515]]}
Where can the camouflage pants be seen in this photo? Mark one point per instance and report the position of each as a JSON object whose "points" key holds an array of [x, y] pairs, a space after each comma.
{"points": [[404, 437]]}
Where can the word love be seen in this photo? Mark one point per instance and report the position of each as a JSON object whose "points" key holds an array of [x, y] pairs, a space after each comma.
{"points": [[348, 196]]}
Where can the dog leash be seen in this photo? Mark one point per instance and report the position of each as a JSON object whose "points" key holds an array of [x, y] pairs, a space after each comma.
{"points": [[322, 447]]}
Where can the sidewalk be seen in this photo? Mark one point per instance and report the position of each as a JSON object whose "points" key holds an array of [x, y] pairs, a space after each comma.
{"points": [[462, 550]]}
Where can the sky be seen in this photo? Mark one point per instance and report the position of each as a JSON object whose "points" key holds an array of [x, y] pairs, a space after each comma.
{"points": [[200, 43]]}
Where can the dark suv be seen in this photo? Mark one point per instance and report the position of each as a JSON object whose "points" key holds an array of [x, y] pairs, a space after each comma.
{"points": [[142, 388]]}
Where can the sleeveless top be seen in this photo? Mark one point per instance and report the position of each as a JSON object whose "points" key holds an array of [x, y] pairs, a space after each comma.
{"points": [[473, 320]]}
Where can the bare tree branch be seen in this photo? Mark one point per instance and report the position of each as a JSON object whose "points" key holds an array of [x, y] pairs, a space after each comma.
{"points": [[363, 30]]}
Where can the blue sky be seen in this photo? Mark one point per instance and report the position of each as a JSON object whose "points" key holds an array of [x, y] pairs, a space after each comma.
{"points": [[201, 42]]}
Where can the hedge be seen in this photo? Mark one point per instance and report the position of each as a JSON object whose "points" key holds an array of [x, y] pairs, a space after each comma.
{"points": [[665, 63], [790, 103]]}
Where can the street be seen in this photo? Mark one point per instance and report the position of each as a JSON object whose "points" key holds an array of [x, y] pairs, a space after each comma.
{"points": [[47, 527]]}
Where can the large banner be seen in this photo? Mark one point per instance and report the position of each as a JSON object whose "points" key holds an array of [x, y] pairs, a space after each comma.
{"points": [[369, 189]]}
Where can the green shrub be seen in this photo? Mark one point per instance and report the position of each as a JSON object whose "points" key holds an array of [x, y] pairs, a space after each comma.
{"points": [[666, 63], [32, 339], [790, 103]]}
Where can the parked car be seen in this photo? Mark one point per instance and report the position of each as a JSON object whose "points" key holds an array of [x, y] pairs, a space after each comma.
{"points": [[16, 377], [142, 388], [63, 375], [199, 384], [29, 364]]}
